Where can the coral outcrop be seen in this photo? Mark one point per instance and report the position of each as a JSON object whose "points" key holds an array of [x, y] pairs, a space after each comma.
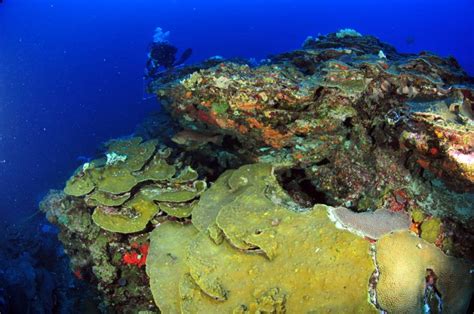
{"points": [[359, 123], [249, 251], [137, 184], [335, 178], [268, 257]]}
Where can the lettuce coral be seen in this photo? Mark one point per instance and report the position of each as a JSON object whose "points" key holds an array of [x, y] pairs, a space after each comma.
{"points": [[129, 192]]}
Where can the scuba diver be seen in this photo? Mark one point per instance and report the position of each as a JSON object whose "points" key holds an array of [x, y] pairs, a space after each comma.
{"points": [[162, 55]]}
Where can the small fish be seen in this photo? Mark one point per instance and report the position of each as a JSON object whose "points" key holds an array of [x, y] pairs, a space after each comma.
{"points": [[193, 139]]}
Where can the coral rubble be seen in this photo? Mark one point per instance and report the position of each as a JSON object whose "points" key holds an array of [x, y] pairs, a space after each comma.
{"points": [[335, 178]]}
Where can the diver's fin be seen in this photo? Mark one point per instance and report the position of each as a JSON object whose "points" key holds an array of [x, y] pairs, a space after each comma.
{"points": [[184, 56]]}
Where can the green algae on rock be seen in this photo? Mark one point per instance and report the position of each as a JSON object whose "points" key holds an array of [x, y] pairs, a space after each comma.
{"points": [[431, 229]]}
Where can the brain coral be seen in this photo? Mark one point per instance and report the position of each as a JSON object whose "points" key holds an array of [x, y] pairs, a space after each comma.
{"points": [[403, 260]]}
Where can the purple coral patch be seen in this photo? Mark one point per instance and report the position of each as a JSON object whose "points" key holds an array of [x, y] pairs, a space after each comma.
{"points": [[369, 224]]}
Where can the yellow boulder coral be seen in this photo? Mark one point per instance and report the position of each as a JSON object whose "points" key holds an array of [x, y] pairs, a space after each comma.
{"points": [[403, 260]]}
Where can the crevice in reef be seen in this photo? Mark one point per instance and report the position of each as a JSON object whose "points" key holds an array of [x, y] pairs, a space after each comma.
{"points": [[300, 188], [318, 93], [374, 279], [432, 299], [323, 162], [348, 124]]}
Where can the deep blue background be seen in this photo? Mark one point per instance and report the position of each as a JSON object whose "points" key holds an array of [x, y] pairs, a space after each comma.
{"points": [[71, 71]]}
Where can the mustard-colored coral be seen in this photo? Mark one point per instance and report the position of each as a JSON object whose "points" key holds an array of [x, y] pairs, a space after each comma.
{"points": [[243, 193], [107, 199], [156, 170], [316, 268], [132, 217], [79, 184], [205, 213], [178, 210], [403, 260], [174, 194], [127, 187], [115, 178], [313, 267], [166, 263], [136, 152]]}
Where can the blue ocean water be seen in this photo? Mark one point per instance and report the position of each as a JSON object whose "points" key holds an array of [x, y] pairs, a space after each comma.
{"points": [[71, 71]]}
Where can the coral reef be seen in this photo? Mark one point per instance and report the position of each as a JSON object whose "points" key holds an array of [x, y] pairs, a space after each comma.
{"points": [[100, 257], [340, 175], [166, 263], [132, 164], [275, 257], [214, 276], [336, 108]]}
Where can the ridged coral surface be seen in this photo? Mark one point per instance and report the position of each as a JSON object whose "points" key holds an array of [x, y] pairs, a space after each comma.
{"points": [[403, 260]]}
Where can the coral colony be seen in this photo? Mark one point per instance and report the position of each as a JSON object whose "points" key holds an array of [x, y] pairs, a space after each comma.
{"points": [[334, 178]]}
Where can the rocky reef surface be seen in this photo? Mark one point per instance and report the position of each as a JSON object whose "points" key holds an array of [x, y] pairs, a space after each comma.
{"points": [[338, 177]]}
